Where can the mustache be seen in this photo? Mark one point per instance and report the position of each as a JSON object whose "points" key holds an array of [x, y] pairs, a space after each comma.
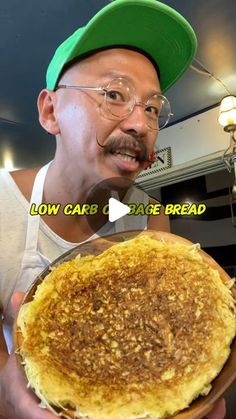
{"points": [[135, 145]]}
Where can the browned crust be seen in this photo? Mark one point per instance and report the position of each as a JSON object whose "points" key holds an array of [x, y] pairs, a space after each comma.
{"points": [[167, 237], [172, 238]]}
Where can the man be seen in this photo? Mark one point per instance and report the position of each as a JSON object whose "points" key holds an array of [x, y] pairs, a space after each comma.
{"points": [[104, 90]]}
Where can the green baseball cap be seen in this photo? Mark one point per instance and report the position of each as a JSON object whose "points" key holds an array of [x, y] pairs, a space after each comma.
{"points": [[147, 25]]}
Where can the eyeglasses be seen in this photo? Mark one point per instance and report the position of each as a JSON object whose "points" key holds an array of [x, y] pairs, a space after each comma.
{"points": [[120, 100]]}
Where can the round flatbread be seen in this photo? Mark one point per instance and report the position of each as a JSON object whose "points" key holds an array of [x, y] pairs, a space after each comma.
{"points": [[138, 331]]}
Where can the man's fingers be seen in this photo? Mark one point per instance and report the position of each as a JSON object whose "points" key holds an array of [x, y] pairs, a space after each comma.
{"points": [[16, 400], [219, 410], [16, 301]]}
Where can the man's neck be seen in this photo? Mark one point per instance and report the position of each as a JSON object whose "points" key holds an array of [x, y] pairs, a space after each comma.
{"points": [[65, 187]]}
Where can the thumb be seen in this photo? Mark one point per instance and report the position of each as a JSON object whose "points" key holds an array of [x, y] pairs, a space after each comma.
{"points": [[16, 301], [219, 410]]}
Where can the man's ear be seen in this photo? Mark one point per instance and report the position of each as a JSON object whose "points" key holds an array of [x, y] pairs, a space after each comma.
{"points": [[46, 108]]}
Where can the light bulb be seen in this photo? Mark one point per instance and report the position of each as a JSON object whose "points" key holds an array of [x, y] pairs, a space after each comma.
{"points": [[227, 111]]}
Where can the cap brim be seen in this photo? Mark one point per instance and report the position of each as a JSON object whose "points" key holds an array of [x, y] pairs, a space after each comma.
{"points": [[147, 25]]}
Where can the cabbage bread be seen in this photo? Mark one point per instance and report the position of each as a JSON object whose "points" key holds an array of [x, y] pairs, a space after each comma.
{"points": [[137, 332]]}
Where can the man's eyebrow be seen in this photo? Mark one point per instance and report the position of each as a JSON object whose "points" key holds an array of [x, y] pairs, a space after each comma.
{"points": [[116, 74]]}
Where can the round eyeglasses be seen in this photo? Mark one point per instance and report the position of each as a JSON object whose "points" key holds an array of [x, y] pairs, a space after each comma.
{"points": [[120, 100]]}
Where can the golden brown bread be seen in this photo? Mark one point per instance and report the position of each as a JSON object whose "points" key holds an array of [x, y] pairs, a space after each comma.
{"points": [[128, 333]]}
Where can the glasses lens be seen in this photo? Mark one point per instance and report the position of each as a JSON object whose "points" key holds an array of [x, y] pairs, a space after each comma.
{"points": [[120, 101], [157, 111], [119, 97]]}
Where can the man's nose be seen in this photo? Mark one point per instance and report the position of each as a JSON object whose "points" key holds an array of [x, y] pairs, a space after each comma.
{"points": [[136, 121]]}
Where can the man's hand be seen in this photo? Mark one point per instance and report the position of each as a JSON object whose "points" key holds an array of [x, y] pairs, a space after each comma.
{"points": [[16, 401], [219, 410]]}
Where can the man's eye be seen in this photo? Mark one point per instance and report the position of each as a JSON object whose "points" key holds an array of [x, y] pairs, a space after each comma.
{"points": [[153, 110], [113, 95]]}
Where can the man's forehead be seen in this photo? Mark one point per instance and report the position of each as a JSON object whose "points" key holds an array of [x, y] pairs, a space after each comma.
{"points": [[116, 62]]}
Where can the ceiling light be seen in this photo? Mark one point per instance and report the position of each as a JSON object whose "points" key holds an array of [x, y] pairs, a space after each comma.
{"points": [[227, 117]]}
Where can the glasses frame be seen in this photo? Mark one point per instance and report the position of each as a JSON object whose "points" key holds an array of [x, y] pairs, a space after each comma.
{"points": [[104, 89]]}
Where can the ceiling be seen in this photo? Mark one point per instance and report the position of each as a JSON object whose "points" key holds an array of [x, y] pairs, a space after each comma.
{"points": [[31, 30]]}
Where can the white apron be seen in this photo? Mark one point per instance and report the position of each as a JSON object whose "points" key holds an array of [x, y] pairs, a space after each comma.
{"points": [[33, 262]]}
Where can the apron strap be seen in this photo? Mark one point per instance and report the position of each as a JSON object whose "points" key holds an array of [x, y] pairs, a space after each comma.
{"points": [[33, 220]]}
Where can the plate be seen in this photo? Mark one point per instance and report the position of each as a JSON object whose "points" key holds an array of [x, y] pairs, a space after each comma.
{"points": [[202, 405]]}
